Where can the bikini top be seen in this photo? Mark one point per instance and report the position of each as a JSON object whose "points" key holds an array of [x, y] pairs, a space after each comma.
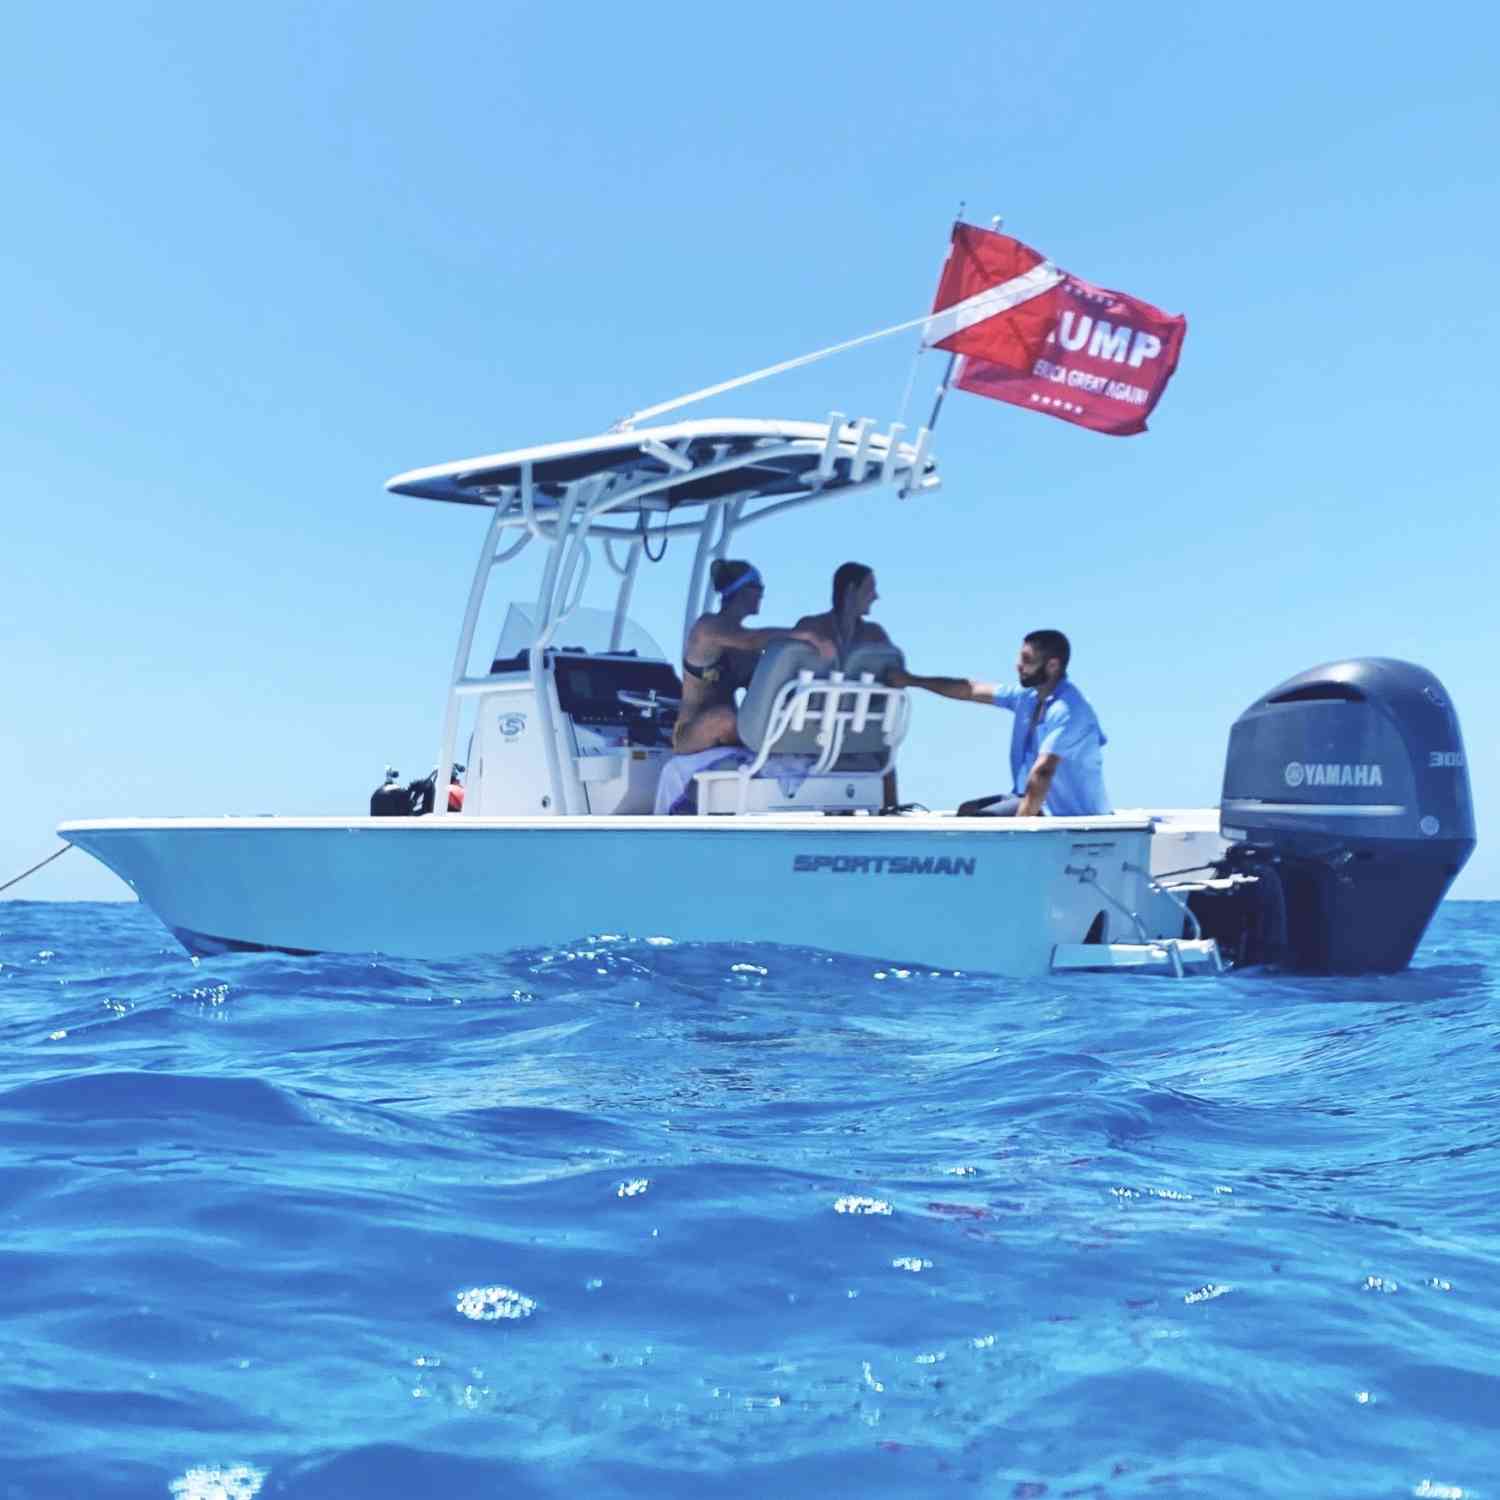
{"points": [[732, 670]]}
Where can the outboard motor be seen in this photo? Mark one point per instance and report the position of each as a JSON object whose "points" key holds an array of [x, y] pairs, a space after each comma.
{"points": [[1346, 798]]}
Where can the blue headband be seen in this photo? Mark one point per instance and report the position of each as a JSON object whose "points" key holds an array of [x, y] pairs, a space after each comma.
{"points": [[750, 575]]}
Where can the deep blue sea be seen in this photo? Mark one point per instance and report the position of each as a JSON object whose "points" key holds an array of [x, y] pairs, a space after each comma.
{"points": [[643, 1219]]}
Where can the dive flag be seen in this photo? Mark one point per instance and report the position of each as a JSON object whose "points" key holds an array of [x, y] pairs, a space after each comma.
{"points": [[1037, 337]]}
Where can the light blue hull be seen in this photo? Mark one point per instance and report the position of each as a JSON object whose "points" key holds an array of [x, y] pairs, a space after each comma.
{"points": [[995, 895]]}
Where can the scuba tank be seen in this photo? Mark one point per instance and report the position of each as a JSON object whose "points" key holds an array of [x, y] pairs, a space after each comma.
{"points": [[414, 800], [390, 799]]}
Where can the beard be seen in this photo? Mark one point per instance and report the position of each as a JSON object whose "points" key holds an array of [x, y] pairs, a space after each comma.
{"points": [[1033, 679]]}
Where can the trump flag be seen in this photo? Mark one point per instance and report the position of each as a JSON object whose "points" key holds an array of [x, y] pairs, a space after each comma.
{"points": [[1035, 336]]}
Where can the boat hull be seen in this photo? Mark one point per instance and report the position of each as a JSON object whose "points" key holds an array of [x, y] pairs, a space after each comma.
{"points": [[988, 894]]}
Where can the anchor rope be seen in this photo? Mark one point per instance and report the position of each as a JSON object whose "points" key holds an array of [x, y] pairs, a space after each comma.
{"points": [[56, 854]]}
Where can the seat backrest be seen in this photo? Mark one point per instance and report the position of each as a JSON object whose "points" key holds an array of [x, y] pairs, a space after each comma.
{"points": [[779, 664], [878, 658], [865, 748]]}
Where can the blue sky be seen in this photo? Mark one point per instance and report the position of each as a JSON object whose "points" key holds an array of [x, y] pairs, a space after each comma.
{"points": [[260, 261]]}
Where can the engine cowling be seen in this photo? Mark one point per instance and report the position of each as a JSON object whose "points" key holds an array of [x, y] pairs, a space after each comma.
{"points": [[1347, 787]]}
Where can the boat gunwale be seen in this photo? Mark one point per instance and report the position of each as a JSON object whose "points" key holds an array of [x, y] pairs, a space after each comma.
{"points": [[802, 823]]}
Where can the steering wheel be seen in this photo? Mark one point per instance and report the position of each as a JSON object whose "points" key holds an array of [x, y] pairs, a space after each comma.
{"points": [[651, 703]]}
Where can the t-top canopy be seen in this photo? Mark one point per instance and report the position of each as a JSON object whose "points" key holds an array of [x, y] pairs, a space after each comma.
{"points": [[687, 463]]}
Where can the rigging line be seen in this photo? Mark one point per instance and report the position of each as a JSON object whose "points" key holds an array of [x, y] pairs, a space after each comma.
{"points": [[626, 423], [911, 378], [56, 854]]}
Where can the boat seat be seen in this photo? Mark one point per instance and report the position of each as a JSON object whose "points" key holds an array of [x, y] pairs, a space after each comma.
{"points": [[780, 663], [864, 743], [842, 725]]}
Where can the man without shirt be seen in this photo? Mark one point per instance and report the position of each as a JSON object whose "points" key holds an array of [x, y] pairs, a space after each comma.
{"points": [[1055, 742]]}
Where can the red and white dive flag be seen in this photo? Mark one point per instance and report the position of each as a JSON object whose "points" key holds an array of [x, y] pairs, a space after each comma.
{"points": [[1037, 337]]}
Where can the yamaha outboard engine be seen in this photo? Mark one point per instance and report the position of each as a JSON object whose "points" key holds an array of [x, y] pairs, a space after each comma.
{"points": [[1346, 798]]}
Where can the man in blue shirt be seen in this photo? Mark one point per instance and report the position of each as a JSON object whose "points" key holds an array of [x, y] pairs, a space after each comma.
{"points": [[1055, 741]]}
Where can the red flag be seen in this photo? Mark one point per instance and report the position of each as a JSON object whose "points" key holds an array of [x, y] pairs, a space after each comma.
{"points": [[992, 302], [1037, 337]]}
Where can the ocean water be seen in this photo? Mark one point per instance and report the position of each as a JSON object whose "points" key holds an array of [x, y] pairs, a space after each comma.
{"points": [[644, 1219]]}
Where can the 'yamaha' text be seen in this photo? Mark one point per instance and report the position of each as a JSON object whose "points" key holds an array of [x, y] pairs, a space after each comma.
{"points": [[1302, 773]]}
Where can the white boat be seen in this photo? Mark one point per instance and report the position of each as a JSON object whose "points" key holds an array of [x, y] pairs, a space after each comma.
{"points": [[568, 738]]}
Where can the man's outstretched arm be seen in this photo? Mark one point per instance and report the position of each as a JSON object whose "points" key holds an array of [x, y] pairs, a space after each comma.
{"points": [[963, 689]]}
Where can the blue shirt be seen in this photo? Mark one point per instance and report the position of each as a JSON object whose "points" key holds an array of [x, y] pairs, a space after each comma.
{"points": [[1068, 729]]}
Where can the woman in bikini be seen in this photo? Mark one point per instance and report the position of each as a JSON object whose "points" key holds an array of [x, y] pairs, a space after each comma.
{"points": [[720, 656]]}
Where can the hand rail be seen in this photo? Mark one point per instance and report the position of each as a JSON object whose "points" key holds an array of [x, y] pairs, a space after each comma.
{"points": [[1088, 875], [1172, 896]]}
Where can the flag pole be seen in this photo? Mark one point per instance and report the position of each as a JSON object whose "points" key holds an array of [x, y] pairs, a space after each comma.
{"points": [[916, 358], [942, 391], [937, 405]]}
